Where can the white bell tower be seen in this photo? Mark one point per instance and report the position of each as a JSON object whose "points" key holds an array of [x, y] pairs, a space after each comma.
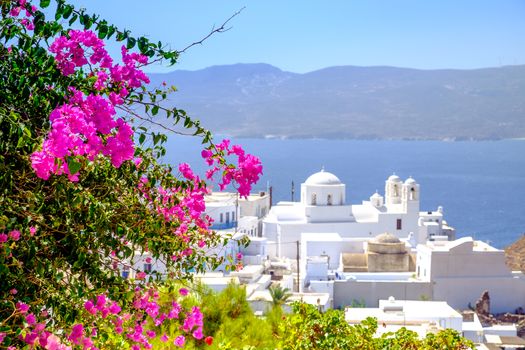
{"points": [[393, 187], [410, 196]]}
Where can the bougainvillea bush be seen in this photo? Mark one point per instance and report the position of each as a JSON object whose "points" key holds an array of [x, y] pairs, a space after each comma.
{"points": [[82, 189]]}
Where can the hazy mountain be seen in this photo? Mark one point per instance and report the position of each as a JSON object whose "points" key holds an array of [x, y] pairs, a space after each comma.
{"points": [[260, 100]]}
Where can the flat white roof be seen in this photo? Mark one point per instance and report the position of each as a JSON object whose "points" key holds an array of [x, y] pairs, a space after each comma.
{"points": [[248, 271], [407, 310], [445, 246], [381, 276], [309, 298]]}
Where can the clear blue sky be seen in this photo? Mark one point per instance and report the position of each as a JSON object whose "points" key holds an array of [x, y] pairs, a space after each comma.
{"points": [[306, 35]]}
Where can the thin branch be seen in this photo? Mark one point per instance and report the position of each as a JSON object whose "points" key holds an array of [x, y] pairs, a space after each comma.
{"points": [[150, 120], [214, 30]]}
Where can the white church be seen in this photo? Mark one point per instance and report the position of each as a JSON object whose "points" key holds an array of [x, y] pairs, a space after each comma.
{"points": [[384, 247], [324, 215]]}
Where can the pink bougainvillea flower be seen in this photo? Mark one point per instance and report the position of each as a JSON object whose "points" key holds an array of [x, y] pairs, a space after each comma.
{"points": [[183, 291], [15, 235], [22, 307], [179, 341], [30, 319]]}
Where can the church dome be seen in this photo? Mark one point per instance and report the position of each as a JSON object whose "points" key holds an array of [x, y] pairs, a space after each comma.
{"points": [[323, 178], [410, 181], [386, 243], [387, 238], [394, 178]]}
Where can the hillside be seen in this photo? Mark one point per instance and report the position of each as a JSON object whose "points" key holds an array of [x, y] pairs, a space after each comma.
{"points": [[515, 255], [259, 100]]}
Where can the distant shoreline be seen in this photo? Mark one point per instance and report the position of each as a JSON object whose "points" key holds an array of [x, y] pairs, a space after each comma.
{"points": [[277, 137]]}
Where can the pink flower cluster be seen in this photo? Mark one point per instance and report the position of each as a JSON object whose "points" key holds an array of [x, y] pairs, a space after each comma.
{"points": [[14, 235], [103, 306], [35, 332], [245, 174], [184, 206], [146, 303], [86, 126], [77, 337], [70, 53], [83, 127], [27, 21], [147, 311], [83, 46]]}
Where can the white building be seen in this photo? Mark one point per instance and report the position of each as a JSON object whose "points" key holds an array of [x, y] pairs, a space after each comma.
{"points": [[229, 211], [233, 217], [323, 209], [419, 316], [457, 272], [460, 271], [343, 249]]}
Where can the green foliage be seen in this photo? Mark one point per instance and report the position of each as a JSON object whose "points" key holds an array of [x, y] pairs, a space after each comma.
{"points": [[279, 295], [230, 319], [79, 224], [308, 328]]}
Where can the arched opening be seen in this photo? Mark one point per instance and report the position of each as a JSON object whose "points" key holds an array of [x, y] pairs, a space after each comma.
{"points": [[412, 194], [329, 199], [396, 191], [314, 199]]}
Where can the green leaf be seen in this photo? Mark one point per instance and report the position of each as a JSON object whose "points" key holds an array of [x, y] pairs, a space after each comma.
{"points": [[131, 43], [111, 31], [73, 19], [102, 31], [44, 3], [73, 165], [155, 110], [59, 12], [143, 44], [67, 11]]}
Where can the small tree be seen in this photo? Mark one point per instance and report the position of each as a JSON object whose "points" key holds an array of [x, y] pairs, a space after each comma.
{"points": [[279, 295]]}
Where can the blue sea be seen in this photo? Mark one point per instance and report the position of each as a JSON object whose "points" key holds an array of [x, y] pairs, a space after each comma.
{"points": [[481, 185]]}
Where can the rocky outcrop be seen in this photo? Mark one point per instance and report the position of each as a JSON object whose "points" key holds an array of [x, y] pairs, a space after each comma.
{"points": [[515, 255]]}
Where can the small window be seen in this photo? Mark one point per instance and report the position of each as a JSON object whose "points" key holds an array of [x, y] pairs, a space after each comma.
{"points": [[147, 267], [222, 218], [314, 199], [125, 272], [399, 225], [227, 217], [329, 199], [233, 216]]}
